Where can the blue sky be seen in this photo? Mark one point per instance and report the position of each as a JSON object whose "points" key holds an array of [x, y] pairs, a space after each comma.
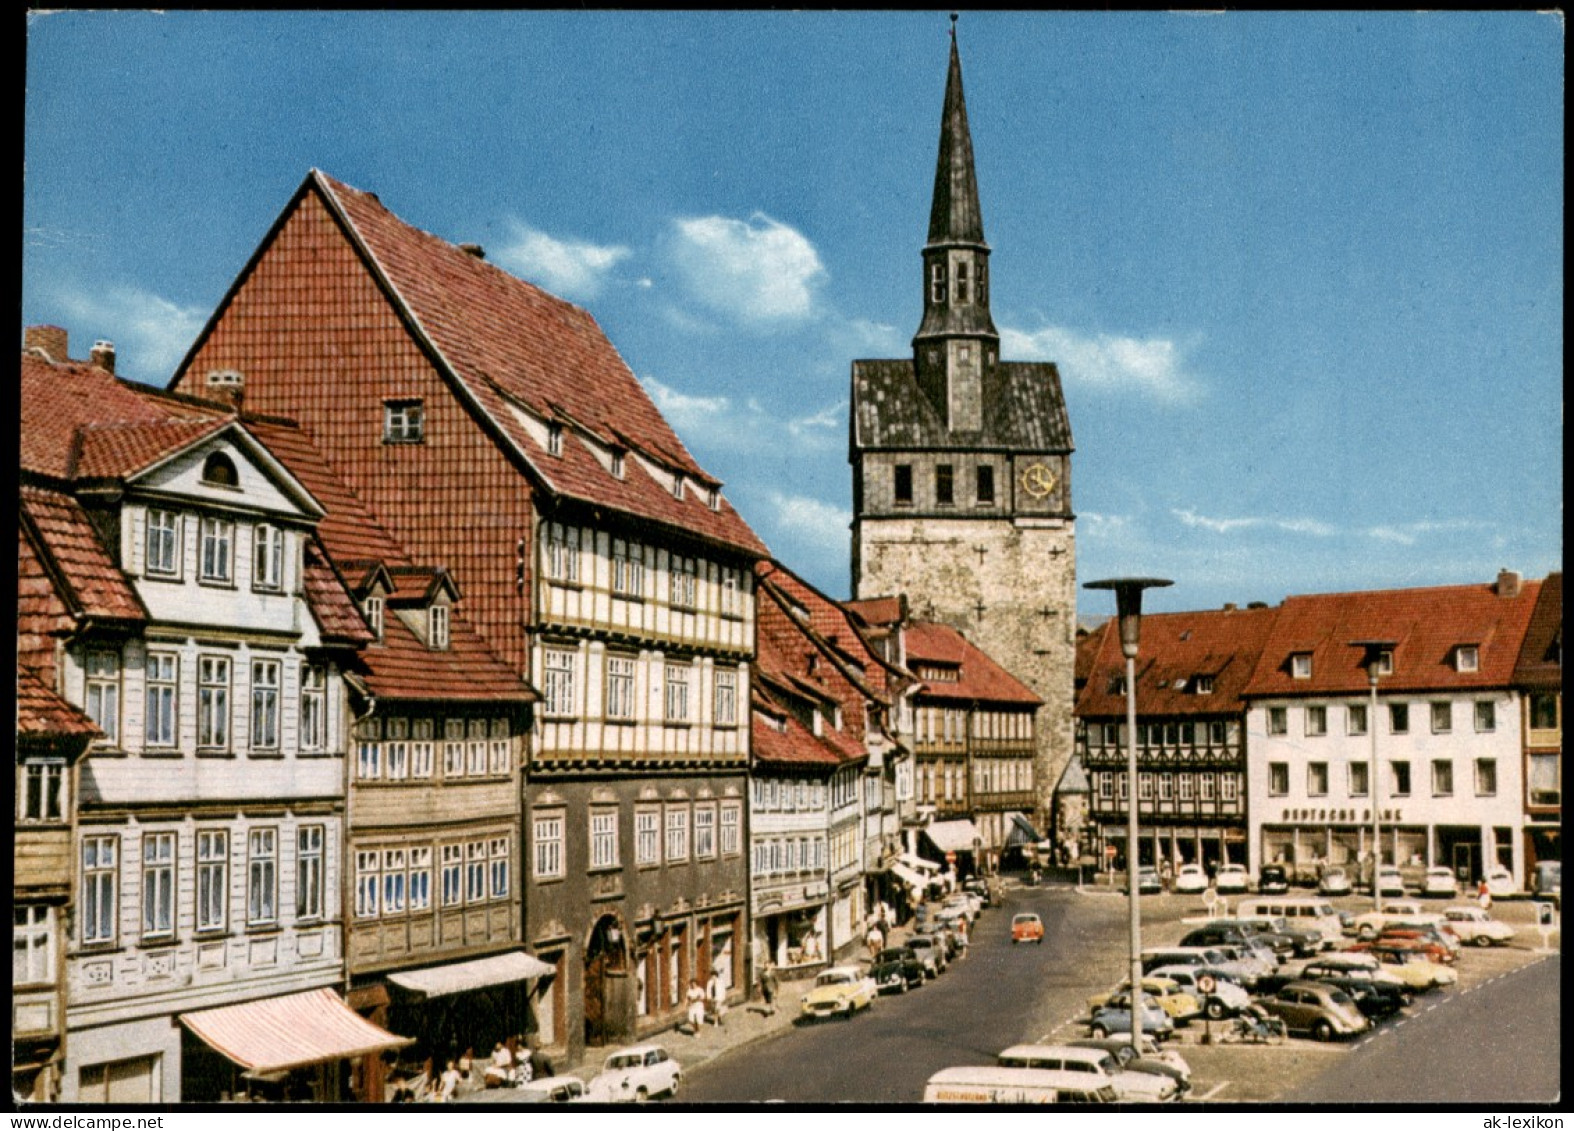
{"points": [[1302, 273]]}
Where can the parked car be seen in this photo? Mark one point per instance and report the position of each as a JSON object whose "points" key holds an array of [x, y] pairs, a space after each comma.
{"points": [[979, 889], [1369, 924], [840, 991], [1241, 972], [1225, 932], [1411, 965], [898, 969], [1227, 997], [1369, 965], [1284, 936], [1114, 1016], [1190, 879], [1476, 926], [1549, 882], [1317, 1008], [960, 904], [931, 951], [550, 1090], [1130, 1087], [1180, 1004], [1015, 1086], [1390, 881], [1334, 882], [1026, 927], [1439, 883], [1273, 879], [1148, 882], [1501, 883], [1231, 879], [634, 1075], [1375, 998], [1420, 938], [1148, 1057]]}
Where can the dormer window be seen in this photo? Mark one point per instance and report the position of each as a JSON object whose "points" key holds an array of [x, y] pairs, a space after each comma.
{"points": [[1467, 658], [617, 464], [1385, 663], [713, 499], [404, 422], [1117, 685], [554, 439], [1301, 665], [1202, 685], [677, 486], [218, 470], [437, 627], [374, 615]]}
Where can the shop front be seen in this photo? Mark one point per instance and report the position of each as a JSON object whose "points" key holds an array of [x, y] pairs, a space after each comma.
{"points": [[791, 927]]}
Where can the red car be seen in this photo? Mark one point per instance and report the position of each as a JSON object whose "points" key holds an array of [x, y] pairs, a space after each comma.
{"points": [[1400, 939], [1027, 927]]}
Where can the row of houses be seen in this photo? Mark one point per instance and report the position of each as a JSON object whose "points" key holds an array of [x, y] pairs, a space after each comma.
{"points": [[1255, 733], [396, 682]]}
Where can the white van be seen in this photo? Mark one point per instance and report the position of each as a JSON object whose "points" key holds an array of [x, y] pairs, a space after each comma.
{"points": [[1094, 1065], [1310, 911], [989, 1085]]}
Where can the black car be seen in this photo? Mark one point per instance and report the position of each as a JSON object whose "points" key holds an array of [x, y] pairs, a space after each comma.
{"points": [[898, 969], [1273, 880]]}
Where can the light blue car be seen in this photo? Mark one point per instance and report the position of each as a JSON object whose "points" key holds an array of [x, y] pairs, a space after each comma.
{"points": [[1114, 1016]]}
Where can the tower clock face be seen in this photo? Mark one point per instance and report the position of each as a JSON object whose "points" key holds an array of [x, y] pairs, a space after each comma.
{"points": [[1038, 480]]}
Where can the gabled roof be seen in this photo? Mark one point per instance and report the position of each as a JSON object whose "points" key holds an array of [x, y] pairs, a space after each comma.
{"points": [[833, 629], [42, 714], [402, 668], [1221, 644], [1540, 663], [338, 619], [1428, 624], [418, 585], [84, 574], [1023, 410], [796, 748], [979, 678], [120, 451]]}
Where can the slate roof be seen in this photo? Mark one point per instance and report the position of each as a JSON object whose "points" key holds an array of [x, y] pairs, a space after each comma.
{"points": [[42, 714], [1224, 644], [1024, 410], [954, 214], [505, 341], [980, 678], [1427, 623], [1540, 663]]}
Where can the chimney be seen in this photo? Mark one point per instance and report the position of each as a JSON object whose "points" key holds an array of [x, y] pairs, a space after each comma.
{"points": [[1507, 583], [473, 249], [52, 341], [1229, 606], [227, 386], [103, 355]]}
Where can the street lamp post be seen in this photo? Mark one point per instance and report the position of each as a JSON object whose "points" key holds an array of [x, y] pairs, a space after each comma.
{"points": [[1128, 607], [1372, 660]]}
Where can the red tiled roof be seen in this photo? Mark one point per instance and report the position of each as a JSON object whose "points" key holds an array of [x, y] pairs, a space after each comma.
{"points": [[1175, 648], [405, 669], [882, 611], [980, 679], [505, 339], [114, 451], [797, 747], [1427, 624], [40, 713], [833, 627], [338, 619], [95, 586], [1540, 664]]}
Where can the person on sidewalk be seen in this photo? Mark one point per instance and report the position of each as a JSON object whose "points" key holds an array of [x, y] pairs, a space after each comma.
{"points": [[875, 941], [768, 987], [696, 1006], [717, 993]]}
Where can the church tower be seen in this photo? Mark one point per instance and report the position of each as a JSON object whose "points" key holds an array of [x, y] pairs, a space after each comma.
{"points": [[962, 467]]}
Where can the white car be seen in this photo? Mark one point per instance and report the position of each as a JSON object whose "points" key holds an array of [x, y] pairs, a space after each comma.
{"points": [[550, 1090], [1372, 923], [1390, 881], [1231, 878], [1227, 997], [634, 1075], [1334, 882], [1190, 879], [1440, 882], [1500, 883], [1473, 925]]}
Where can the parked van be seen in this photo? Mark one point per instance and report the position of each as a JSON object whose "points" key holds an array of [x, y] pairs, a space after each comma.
{"points": [[1093, 1065], [988, 1085], [1310, 911]]}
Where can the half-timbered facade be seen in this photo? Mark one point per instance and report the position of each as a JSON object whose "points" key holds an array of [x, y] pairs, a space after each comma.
{"points": [[493, 428], [1538, 677]]}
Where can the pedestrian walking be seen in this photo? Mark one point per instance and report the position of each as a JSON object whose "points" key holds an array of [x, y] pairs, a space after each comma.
{"points": [[875, 940], [717, 993], [696, 1006], [1484, 896], [768, 986]]}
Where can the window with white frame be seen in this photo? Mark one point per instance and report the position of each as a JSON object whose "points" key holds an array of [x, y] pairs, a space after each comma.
{"points": [[647, 836], [1467, 658], [704, 832], [213, 870], [309, 871], [421, 746], [1399, 775], [731, 828], [267, 557], [677, 834], [475, 747], [1205, 785], [1301, 665], [33, 946], [1229, 787], [420, 879], [99, 883], [546, 840], [314, 707], [158, 885], [265, 704], [1355, 718], [1316, 721], [437, 628], [1186, 787], [217, 544], [562, 553], [554, 439], [374, 615], [475, 871], [43, 791], [497, 866], [453, 748], [369, 750], [1278, 779], [937, 284], [1442, 717], [453, 875], [213, 702], [1486, 777], [162, 670], [628, 568], [682, 574], [499, 759], [1359, 778], [726, 697], [1278, 720], [603, 838], [102, 674], [394, 865], [404, 422], [558, 690], [1442, 778], [163, 543], [368, 881], [1317, 779], [730, 601], [677, 693], [620, 688], [1486, 715], [262, 876]]}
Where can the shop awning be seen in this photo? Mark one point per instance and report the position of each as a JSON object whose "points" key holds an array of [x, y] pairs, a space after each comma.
{"points": [[1021, 832], [477, 974], [294, 1031], [953, 836], [909, 877]]}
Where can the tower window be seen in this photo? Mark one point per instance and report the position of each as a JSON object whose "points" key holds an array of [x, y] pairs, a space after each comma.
{"points": [[937, 283], [961, 283], [983, 286], [986, 486], [944, 494], [904, 484]]}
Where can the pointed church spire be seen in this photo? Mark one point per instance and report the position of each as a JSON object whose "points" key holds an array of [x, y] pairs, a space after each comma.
{"points": [[954, 216]]}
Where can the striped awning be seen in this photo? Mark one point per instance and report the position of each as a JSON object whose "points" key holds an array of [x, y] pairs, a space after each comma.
{"points": [[477, 974], [294, 1031], [953, 836]]}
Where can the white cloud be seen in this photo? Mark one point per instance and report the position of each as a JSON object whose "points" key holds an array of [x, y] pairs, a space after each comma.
{"points": [[571, 268], [1408, 533], [810, 520], [1308, 526], [1154, 366], [759, 271], [151, 333], [829, 421], [721, 423]]}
